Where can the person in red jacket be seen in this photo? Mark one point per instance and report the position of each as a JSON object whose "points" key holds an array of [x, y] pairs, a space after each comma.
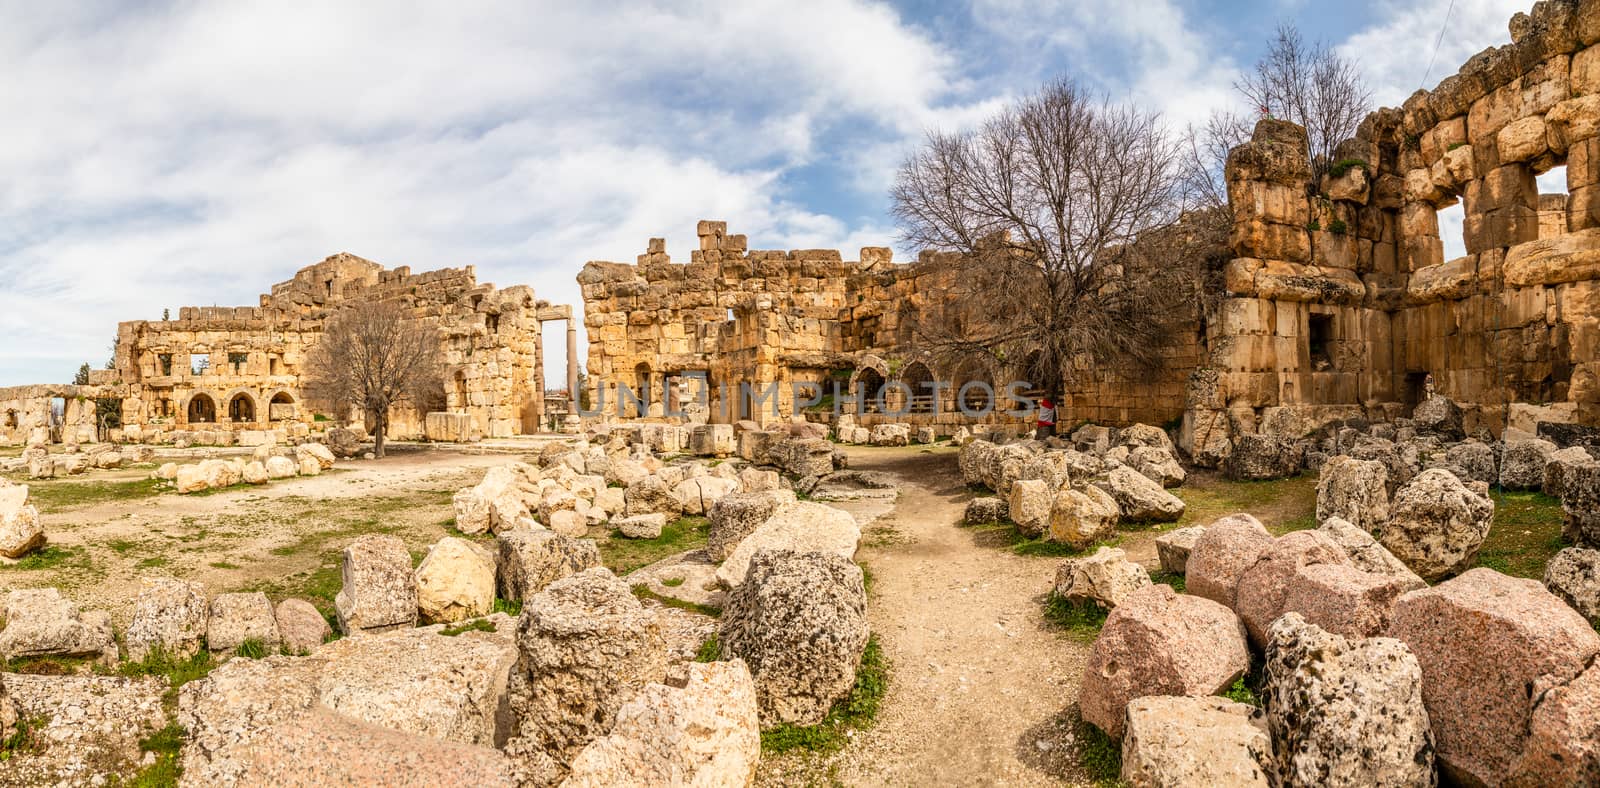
{"points": [[1046, 423]]}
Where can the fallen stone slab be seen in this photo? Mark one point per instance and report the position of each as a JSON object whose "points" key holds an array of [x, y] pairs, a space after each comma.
{"points": [[1180, 741]]}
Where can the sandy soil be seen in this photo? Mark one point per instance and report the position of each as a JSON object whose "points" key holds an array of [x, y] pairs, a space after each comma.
{"points": [[981, 691], [274, 537]]}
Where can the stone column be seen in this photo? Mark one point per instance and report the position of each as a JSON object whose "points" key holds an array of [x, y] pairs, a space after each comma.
{"points": [[572, 365]]}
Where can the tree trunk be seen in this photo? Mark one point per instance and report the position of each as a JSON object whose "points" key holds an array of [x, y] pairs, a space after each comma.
{"points": [[380, 425]]}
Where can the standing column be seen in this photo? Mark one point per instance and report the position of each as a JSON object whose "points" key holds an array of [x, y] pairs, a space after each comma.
{"points": [[572, 365]]}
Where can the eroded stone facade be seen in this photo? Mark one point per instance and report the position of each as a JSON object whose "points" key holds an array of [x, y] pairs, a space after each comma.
{"points": [[227, 370], [1341, 305], [733, 316], [1337, 303]]}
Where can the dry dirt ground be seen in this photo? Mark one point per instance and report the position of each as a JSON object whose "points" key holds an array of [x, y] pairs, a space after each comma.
{"points": [[283, 538], [981, 690]]}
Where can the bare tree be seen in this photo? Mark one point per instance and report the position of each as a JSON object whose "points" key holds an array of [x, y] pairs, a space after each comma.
{"points": [[1313, 86], [1205, 152], [1040, 214], [375, 355]]}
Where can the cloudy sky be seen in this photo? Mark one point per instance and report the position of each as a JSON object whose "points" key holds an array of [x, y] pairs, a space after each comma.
{"points": [[155, 155]]}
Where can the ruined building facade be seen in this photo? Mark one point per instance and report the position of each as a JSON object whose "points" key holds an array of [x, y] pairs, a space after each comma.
{"points": [[700, 331], [232, 369], [1337, 303]]}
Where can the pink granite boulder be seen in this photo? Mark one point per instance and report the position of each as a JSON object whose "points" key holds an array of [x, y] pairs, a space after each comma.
{"points": [[1222, 554], [1262, 587], [1490, 647], [1345, 600], [1160, 642]]}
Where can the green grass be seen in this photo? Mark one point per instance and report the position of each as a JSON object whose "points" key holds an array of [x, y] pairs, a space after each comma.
{"points": [[1242, 692], [509, 607], [704, 610], [475, 625], [223, 565], [1176, 581], [710, 649], [1099, 754], [1525, 534], [24, 740], [49, 557], [251, 648], [1282, 505], [178, 671], [856, 711], [167, 744], [672, 582], [622, 555], [1080, 620], [54, 496]]}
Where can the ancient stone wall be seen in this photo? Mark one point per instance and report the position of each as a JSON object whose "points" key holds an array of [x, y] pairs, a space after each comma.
{"points": [[241, 367], [736, 316], [1341, 302], [62, 413]]}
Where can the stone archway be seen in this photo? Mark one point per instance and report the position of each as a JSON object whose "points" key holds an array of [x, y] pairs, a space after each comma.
{"points": [[281, 407], [202, 409], [241, 409]]}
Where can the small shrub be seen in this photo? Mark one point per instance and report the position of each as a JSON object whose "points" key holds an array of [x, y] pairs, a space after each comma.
{"points": [[1241, 692], [509, 607], [1345, 165], [1452, 146], [1313, 225], [1337, 227]]}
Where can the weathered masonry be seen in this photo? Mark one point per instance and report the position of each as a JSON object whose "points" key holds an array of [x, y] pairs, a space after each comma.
{"points": [[231, 369], [1337, 303], [732, 316], [1341, 303]]}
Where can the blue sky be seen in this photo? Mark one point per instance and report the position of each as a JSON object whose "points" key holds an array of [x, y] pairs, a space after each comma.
{"points": [[158, 155]]}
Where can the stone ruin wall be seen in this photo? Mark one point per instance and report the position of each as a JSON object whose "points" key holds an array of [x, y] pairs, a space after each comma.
{"points": [[782, 317], [1342, 304], [490, 340]]}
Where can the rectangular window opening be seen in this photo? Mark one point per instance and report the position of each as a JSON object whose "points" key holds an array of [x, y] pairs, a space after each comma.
{"points": [[1320, 335]]}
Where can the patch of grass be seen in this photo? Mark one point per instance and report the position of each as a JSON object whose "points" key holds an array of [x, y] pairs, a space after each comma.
{"points": [[475, 625], [251, 648], [1176, 581], [710, 649], [47, 666], [1282, 505], [318, 586], [1344, 165], [509, 607], [1525, 534], [48, 557], [856, 711], [1080, 620], [1099, 754], [178, 671], [223, 565], [121, 545], [622, 555], [167, 744], [672, 582], [704, 610], [153, 562], [25, 740], [54, 496]]}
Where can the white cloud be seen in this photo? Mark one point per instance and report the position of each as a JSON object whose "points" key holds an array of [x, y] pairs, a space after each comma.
{"points": [[196, 153], [1394, 54]]}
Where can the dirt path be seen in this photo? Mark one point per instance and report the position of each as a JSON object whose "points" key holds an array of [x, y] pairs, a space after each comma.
{"points": [[981, 691]]}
